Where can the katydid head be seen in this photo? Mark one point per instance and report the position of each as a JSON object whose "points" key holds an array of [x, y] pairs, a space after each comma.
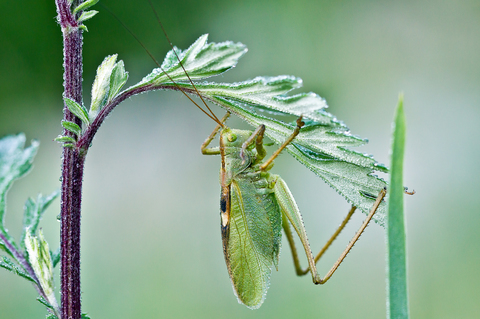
{"points": [[241, 141], [234, 137], [235, 147]]}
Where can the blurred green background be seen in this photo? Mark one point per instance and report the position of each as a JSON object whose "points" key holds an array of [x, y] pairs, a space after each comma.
{"points": [[151, 245]]}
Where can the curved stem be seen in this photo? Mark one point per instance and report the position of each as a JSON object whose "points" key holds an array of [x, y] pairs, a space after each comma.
{"points": [[86, 139]]}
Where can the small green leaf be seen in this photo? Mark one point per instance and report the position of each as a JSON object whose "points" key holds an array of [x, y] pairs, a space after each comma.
{"points": [[51, 316], [85, 316], [101, 85], [117, 79], [72, 127], [397, 294], [200, 60], [44, 302], [87, 4], [68, 145], [33, 212], [87, 15], [84, 28], [10, 266], [55, 256], [15, 162], [65, 139], [39, 258], [77, 109]]}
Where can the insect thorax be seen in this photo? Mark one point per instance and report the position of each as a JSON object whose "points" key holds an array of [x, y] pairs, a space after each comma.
{"points": [[241, 166]]}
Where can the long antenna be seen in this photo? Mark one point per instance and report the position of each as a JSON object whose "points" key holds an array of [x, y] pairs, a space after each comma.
{"points": [[179, 61], [214, 118]]}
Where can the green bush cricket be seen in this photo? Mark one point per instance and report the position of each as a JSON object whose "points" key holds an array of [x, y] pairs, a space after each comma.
{"points": [[255, 205]]}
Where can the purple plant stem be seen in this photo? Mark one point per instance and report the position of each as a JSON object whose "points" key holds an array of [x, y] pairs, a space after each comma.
{"points": [[72, 167]]}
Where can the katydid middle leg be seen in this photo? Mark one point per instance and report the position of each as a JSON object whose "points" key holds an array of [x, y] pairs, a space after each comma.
{"points": [[265, 166], [258, 134]]}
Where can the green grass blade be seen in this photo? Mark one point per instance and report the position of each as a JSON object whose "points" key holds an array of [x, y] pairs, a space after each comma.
{"points": [[397, 299]]}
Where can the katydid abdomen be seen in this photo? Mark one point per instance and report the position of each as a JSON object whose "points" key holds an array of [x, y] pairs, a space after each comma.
{"points": [[252, 236]]}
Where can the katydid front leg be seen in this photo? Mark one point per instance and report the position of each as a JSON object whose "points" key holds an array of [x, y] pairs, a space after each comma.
{"points": [[213, 150]]}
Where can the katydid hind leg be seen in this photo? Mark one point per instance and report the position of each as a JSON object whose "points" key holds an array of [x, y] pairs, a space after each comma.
{"points": [[355, 238], [290, 210], [293, 248], [292, 215], [335, 235]]}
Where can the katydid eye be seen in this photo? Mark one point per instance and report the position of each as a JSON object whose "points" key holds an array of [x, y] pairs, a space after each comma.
{"points": [[232, 137]]}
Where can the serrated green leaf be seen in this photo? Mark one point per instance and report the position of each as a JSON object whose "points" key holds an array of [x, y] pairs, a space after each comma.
{"points": [[269, 94], [323, 144], [87, 4], [33, 212], [77, 109], [397, 294], [200, 60], [117, 80], [9, 265], [87, 15], [39, 259], [15, 162], [101, 85], [64, 139], [72, 127]]}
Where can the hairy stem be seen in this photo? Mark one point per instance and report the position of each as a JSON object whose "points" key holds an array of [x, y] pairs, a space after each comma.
{"points": [[72, 166]]}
